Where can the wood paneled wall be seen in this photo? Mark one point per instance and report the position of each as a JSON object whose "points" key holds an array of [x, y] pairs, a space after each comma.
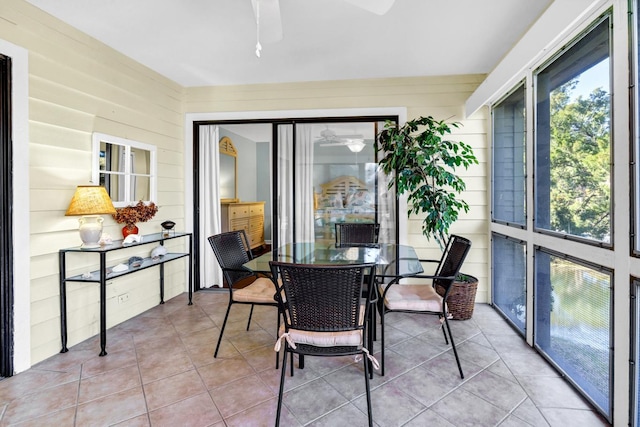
{"points": [[442, 97], [78, 86]]}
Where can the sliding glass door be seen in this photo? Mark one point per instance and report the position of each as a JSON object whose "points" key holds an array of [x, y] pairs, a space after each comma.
{"points": [[326, 174]]}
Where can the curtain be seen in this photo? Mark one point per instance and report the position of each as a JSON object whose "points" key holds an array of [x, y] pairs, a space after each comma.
{"points": [[304, 184], [211, 274], [386, 208], [285, 184]]}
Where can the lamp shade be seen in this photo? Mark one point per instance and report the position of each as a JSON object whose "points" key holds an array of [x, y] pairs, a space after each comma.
{"points": [[90, 200]]}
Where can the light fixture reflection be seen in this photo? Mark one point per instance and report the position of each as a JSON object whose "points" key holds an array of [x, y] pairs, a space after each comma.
{"points": [[356, 145]]}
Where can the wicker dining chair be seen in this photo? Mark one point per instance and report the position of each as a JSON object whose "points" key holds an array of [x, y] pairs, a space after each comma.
{"points": [[232, 252], [427, 298], [324, 314], [356, 233]]}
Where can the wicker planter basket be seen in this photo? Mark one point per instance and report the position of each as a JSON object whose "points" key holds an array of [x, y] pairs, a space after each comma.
{"points": [[462, 297]]}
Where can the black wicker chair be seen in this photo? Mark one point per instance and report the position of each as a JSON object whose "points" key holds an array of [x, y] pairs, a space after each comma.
{"points": [[232, 251], [421, 298], [356, 233], [360, 234], [324, 314]]}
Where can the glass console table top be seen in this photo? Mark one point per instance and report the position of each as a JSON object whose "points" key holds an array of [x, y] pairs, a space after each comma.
{"points": [[118, 244]]}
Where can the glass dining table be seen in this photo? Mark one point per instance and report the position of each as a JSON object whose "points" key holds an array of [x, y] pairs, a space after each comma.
{"points": [[393, 262]]}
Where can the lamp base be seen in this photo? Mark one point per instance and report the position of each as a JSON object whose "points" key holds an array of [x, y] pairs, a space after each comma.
{"points": [[90, 231]]}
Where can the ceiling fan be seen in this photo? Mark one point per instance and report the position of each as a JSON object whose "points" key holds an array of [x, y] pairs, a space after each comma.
{"points": [[269, 23], [328, 138]]}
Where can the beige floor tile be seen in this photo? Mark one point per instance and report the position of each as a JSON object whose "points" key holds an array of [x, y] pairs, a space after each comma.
{"points": [[160, 370]]}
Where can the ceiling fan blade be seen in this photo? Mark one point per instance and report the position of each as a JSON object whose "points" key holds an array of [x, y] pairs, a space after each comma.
{"points": [[270, 22], [379, 7], [354, 136], [334, 144]]}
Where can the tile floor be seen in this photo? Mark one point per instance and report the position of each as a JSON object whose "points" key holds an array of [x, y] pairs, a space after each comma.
{"points": [[160, 371]]}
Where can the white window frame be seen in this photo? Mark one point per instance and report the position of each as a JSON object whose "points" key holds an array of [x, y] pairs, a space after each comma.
{"points": [[127, 174]]}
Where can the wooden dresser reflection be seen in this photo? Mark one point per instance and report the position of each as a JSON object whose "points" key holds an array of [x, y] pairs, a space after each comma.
{"points": [[247, 216]]}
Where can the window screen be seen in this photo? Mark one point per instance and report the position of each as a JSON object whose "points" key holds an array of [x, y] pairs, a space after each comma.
{"points": [[509, 194], [573, 322], [509, 279], [573, 141]]}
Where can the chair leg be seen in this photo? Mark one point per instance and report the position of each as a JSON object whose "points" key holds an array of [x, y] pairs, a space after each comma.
{"points": [[226, 316], [382, 340], [277, 332], [292, 364], [453, 346], [446, 340], [282, 375], [367, 388], [250, 314]]}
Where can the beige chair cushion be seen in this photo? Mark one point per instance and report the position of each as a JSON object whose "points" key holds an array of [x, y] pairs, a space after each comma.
{"points": [[327, 339], [261, 291], [412, 297], [324, 339]]}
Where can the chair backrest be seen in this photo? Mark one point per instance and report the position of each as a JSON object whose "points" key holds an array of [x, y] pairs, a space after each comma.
{"points": [[356, 233], [323, 298], [232, 251], [452, 259]]}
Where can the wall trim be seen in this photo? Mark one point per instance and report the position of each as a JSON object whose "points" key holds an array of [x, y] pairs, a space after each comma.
{"points": [[21, 232]]}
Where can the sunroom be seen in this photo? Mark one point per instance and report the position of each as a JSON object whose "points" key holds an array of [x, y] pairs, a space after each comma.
{"points": [[554, 200]]}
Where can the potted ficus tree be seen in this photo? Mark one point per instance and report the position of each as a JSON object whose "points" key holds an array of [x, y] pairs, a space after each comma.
{"points": [[421, 161]]}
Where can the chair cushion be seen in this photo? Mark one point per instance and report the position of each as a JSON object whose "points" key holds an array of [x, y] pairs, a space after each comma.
{"points": [[412, 297], [327, 339], [260, 291], [324, 339]]}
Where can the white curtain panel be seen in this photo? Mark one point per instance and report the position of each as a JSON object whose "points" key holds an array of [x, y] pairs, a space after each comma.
{"points": [[211, 274], [285, 184], [304, 184]]}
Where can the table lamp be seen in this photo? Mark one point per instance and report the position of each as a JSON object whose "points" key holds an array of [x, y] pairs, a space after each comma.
{"points": [[90, 201]]}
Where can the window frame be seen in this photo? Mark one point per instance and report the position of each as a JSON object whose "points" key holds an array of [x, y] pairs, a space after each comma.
{"points": [[97, 139], [520, 85], [606, 16]]}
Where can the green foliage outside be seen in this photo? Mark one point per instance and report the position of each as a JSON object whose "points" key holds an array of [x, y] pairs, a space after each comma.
{"points": [[580, 163]]}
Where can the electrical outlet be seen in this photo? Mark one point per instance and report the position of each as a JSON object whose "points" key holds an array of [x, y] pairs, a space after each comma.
{"points": [[123, 298]]}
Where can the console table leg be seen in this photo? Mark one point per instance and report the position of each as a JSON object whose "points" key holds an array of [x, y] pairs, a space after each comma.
{"points": [[63, 301], [190, 269], [161, 283], [103, 304]]}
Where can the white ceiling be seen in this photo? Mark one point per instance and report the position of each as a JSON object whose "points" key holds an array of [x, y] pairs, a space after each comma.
{"points": [[212, 42]]}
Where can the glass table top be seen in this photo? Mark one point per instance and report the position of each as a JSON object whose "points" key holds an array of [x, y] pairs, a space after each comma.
{"points": [[392, 260]]}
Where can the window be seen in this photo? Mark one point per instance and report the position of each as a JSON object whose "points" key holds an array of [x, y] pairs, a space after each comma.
{"points": [[510, 279], [509, 132], [573, 308], [573, 139], [127, 169]]}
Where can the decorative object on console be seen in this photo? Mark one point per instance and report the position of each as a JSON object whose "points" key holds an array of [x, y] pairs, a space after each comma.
{"points": [[135, 261], [158, 251], [90, 201], [167, 226], [132, 238], [130, 215], [106, 239]]}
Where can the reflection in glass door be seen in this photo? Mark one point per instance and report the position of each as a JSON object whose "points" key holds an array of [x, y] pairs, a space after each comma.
{"points": [[328, 174]]}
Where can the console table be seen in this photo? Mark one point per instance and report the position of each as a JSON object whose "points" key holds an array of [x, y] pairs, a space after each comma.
{"points": [[106, 273]]}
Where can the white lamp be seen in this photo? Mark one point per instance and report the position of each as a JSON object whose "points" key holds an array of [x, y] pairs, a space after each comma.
{"points": [[90, 201]]}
